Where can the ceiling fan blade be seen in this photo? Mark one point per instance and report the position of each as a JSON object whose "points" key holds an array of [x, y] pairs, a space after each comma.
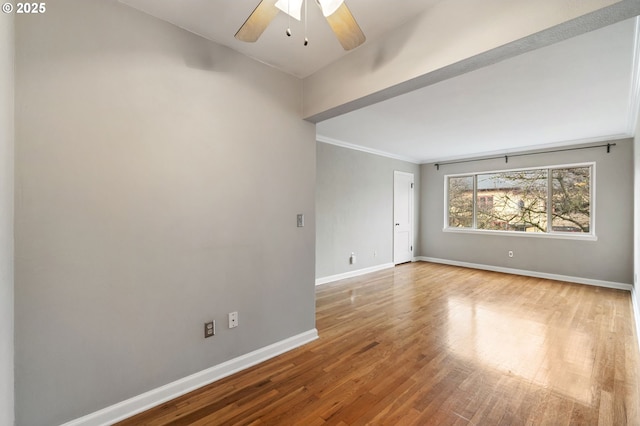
{"points": [[258, 21], [346, 28]]}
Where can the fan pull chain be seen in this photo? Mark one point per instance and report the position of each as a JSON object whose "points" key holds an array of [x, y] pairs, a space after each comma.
{"points": [[306, 40], [288, 32]]}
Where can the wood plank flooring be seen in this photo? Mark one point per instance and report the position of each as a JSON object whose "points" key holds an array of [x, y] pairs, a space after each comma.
{"points": [[428, 344]]}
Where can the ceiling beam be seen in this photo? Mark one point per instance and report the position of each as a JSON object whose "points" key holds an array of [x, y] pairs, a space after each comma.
{"points": [[444, 42]]}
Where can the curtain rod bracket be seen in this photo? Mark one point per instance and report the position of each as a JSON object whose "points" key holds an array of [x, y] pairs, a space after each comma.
{"points": [[437, 166], [506, 158], [608, 148]]}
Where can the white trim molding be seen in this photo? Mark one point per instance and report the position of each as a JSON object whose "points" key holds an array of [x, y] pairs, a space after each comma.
{"points": [[337, 142], [633, 104], [535, 274], [155, 397], [634, 92], [351, 274], [529, 148], [553, 235]]}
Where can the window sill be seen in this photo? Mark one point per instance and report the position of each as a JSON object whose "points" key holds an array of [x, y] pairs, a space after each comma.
{"points": [[553, 235]]}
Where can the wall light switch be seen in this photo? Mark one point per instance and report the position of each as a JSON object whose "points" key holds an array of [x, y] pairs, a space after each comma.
{"points": [[233, 319]]}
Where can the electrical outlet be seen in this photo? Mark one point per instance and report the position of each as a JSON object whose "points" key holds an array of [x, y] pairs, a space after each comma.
{"points": [[300, 220], [209, 329], [233, 319]]}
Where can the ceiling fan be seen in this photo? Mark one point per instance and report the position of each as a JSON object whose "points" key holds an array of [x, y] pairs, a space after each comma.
{"points": [[336, 12]]}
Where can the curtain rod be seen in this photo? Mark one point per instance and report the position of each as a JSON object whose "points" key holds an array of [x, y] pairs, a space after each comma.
{"points": [[506, 157]]}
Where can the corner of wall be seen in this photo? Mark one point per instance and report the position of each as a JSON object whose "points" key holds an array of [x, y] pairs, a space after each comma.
{"points": [[7, 140], [636, 232], [357, 218]]}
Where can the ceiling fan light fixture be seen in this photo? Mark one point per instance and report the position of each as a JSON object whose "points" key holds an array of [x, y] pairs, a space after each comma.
{"points": [[292, 8], [336, 12], [329, 6]]}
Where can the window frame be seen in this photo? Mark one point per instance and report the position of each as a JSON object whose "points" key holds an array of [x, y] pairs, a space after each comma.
{"points": [[550, 233]]}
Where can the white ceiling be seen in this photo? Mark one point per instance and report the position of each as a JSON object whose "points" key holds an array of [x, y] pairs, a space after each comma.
{"points": [[582, 89], [218, 20]]}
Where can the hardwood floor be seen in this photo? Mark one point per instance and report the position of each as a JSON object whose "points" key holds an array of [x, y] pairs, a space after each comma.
{"points": [[433, 344]]}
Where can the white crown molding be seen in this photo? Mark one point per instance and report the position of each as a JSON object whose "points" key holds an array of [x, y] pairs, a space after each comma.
{"points": [[351, 274], [337, 142], [535, 274], [635, 106], [531, 148], [634, 93], [137, 404]]}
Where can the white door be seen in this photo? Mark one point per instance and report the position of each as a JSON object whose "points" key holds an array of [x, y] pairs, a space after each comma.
{"points": [[402, 217]]}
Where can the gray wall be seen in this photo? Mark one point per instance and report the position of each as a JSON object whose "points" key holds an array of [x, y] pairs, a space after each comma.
{"points": [[354, 208], [636, 213], [636, 209], [158, 178], [610, 258], [6, 218]]}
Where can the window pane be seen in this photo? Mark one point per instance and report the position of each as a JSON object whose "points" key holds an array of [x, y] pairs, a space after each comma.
{"points": [[513, 201], [461, 202], [571, 205]]}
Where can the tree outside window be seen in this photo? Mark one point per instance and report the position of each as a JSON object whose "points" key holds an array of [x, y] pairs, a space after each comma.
{"points": [[522, 200], [461, 202], [519, 201], [571, 200]]}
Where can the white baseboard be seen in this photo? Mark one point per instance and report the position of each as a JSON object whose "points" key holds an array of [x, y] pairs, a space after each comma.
{"points": [[154, 397], [351, 274], [557, 277], [636, 312]]}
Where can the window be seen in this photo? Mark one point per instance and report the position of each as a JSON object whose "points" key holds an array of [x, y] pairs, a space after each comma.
{"points": [[551, 200], [571, 200], [519, 201], [461, 202]]}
